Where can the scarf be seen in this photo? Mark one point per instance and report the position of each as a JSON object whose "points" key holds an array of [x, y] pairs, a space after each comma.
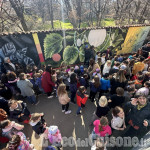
{"points": [[139, 107]]}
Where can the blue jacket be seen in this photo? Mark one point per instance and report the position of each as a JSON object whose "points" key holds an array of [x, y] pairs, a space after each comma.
{"points": [[105, 84], [73, 87], [93, 88]]}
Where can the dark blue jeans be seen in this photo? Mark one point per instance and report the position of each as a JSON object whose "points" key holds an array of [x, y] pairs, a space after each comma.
{"points": [[31, 99], [73, 95]]}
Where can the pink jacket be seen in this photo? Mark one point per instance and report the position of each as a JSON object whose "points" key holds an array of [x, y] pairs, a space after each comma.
{"points": [[55, 138], [106, 129], [64, 99], [13, 125]]}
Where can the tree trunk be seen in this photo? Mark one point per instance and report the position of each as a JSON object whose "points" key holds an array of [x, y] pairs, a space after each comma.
{"points": [[18, 8], [50, 11]]}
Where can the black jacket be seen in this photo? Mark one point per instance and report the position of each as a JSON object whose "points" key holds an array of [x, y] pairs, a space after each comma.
{"points": [[138, 116]]}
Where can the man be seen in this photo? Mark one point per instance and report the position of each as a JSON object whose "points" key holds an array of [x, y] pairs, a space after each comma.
{"points": [[108, 53], [139, 116], [139, 66], [8, 65], [146, 50]]}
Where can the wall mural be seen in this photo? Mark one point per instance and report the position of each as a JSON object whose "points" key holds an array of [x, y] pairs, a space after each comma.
{"points": [[67, 47], [134, 39]]}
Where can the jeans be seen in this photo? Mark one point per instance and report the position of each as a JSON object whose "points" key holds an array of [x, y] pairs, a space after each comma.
{"points": [[73, 95], [65, 107], [78, 110], [31, 99]]}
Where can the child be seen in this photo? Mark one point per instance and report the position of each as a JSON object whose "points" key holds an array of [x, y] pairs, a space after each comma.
{"points": [[101, 128], [19, 142], [97, 73], [63, 98], [107, 67], [9, 128], [73, 86], [19, 111], [118, 121], [94, 88], [105, 84], [66, 80], [117, 99], [54, 136], [38, 82], [81, 98], [83, 80], [101, 110], [25, 87], [38, 124], [144, 90]]}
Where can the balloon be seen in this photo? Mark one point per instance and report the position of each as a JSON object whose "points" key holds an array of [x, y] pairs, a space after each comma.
{"points": [[56, 57]]}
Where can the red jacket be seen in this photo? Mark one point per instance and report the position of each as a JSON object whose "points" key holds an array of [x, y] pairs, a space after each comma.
{"points": [[81, 98], [47, 83]]}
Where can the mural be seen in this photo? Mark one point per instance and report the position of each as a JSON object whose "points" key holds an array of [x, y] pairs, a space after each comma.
{"points": [[68, 47], [134, 39]]}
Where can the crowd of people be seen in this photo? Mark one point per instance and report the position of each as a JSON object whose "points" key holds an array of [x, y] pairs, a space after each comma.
{"points": [[117, 84]]}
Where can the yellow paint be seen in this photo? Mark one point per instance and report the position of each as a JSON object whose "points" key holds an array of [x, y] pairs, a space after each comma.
{"points": [[36, 39], [131, 39]]}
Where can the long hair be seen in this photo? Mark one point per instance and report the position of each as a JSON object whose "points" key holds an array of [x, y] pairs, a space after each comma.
{"points": [[96, 81], [120, 76], [73, 78], [49, 68], [103, 122], [91, 62], [61, 89]]}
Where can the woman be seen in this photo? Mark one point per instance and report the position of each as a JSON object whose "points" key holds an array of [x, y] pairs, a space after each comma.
{"points": [[47, 83], [119, 81], [93, 66]]}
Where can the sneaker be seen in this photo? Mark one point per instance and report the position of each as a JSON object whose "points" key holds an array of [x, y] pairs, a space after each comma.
{"points": [[50, 96], [37, 102], [68, 112], [63, 110], [72, 102], [78, 114]]}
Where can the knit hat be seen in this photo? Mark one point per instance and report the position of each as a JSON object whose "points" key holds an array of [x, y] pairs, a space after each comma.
{"points": [[52, 129]]}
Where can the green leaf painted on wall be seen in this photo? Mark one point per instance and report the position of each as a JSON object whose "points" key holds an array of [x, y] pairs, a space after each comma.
{"points": [[52, 44], [70, 54], [82, 53], [69, 40]]}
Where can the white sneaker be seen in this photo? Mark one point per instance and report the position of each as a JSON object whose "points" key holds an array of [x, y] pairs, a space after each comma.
{"points": [[68, 112], [63, 110], [50, 97]]}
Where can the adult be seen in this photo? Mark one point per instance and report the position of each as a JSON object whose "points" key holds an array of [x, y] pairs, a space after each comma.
{"points": [[146, 50], [47, 83], [140, 107], [138, 66], [87, 55], [93, 66], [119, 81], [92, 50], [108, 53], [8, 65]]}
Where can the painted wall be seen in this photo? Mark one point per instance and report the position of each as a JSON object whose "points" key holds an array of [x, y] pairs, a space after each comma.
{"points": [[67, 47]]}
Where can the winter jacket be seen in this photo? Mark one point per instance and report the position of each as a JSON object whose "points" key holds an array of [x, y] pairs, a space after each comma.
{"points": [[25, 87], [93, 88], [143, 114], [23, 110], [47, 83], [81, 98], [63, 99], [106, 129], [105, 84]]}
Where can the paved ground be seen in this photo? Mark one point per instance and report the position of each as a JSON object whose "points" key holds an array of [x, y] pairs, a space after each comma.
{"points": [[70, 125]]}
